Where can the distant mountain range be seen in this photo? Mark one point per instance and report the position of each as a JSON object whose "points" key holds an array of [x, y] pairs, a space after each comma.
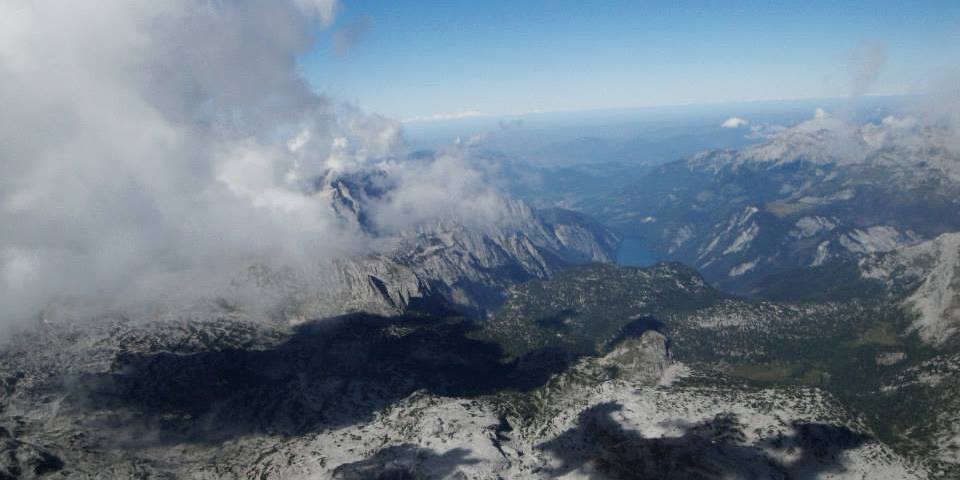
{"points": [[818, 191]]}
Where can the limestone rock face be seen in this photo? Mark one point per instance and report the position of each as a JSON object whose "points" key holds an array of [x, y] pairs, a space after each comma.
{"points": [[443, 265], [23, 460], [928, 276], [467, 268], [367, 396], [644, 357]]}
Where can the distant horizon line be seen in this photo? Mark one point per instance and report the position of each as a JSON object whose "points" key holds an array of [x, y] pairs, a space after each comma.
{"points": [[475, 114]]}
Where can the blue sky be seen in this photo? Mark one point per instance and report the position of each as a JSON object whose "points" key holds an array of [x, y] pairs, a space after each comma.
{"points": [[424, 57]]}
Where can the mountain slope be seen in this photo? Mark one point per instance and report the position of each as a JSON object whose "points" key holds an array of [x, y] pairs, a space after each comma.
{"points": [[818, 191], [366, 396], [929, 273], [468, 268], [437, 266], [862, 349]]}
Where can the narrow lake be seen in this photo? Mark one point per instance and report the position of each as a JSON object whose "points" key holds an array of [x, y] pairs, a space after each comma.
{"points": [[634, 253]]}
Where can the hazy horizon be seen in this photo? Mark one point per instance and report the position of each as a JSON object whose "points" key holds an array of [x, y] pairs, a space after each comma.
{"points": [[443, 60]]}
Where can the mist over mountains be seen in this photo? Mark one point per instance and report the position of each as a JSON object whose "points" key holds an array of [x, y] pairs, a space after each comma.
{"points": [[184, 147], [208, 269]]}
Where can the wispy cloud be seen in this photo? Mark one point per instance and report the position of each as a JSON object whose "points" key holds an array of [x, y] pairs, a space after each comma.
{"points": [[349, 36], [734, 122], [325, 10], [865, 63], [446, 116]]}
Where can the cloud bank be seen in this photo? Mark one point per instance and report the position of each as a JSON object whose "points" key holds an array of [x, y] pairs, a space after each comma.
{"points": [[153, 149]]}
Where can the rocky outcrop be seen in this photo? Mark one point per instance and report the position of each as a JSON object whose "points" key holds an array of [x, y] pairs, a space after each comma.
{"points": [[367, 396], [23, 460], [469, 269], [927, 277], [463, 266]]}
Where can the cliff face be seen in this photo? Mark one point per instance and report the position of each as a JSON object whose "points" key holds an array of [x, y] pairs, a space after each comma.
{"points": [[468, 269], [927, 276], [457, 265], [463, 265]]}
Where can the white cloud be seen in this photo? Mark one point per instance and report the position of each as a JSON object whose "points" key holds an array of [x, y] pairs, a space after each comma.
{"points": [[325, 10], [734, 122], [446, 116], [445, 189], [153, 149]]}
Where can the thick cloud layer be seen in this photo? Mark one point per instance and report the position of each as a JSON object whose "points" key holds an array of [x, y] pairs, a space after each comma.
{"points": [[151, 149]]}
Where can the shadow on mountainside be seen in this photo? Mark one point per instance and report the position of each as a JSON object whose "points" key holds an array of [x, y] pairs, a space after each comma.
{"points": [[708, 450], [330, 373], [404, 462]]}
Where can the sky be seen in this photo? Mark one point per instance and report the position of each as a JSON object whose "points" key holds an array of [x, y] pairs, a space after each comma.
{"points": [[436, 59]]}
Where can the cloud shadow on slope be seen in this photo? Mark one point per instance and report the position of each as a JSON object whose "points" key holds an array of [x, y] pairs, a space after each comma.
{"points": [[330, 373], [707, 450], [402, 462]]}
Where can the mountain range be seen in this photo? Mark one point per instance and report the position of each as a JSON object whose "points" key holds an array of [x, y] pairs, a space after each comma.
{"points": [[820, 190], [806, 324]]}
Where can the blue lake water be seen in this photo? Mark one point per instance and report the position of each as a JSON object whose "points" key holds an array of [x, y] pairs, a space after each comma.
{"points": [[633, 253]]}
